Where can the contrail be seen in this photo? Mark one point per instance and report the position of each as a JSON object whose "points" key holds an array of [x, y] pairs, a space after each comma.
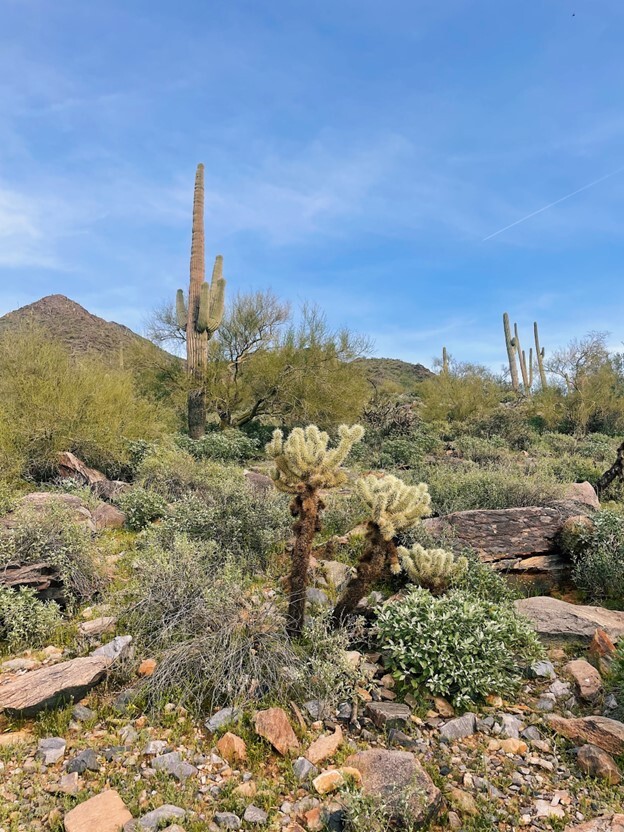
{"points": [[556, 202]]}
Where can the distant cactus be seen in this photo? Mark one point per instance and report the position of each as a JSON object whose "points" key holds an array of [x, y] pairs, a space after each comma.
{"points": [[445, 360], [394, 507], [511, 353], [539, 354], [304, 463], [431, 568], [201, 319]]}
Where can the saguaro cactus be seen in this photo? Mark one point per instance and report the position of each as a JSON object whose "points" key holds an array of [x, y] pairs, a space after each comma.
{"points": [[511, 353], [303, 465], [393, 506], [201, 319], [445, 360], [540, 353]]}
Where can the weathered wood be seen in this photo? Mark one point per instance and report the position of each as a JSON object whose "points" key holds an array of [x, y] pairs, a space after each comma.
{"points": [[615, 472]]}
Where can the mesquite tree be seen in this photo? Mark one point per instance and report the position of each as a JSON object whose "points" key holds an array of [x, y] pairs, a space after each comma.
{"points": [[394, 507], [304, 464], [201, 318]]}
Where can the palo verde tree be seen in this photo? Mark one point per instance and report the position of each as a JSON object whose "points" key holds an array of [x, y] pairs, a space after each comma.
{"points": [[304, 464], [394, 507], [201, 317]]}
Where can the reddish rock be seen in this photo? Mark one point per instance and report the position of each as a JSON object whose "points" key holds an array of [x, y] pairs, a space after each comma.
{"points": [[106, 516], [324, 747], [583, 493], [147, 667], [597, 763], [606, 823], [232, 748], [586, 678], [274, 726], [106, 812], [606, 733], [602, 651], [559, 620]]}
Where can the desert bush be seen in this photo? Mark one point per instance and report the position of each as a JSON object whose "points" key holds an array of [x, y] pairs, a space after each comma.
{"points": [[455, 646], [51, 401], [482, 582], [141, 507], [483, 451], [168, 470], [222, 642], [223, 446], [598, 557], [25, 621], [7, 497], [51, 536], [512, 422]]}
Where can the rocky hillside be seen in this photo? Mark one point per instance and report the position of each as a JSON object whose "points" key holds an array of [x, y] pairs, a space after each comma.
{"points": [[404, 375], [69, 322]]}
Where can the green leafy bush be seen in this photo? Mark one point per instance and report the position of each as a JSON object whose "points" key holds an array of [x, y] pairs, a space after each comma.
{"points": [[456, 645], [480, 581], [25, 621], [222, 446], [51, 536], [598, 556], [141, 507]]}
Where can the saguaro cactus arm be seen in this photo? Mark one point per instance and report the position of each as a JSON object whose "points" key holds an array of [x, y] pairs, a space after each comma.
{"points": [[181, 310], [511, 353], [540, 353], [522, 361], [212, 301]]}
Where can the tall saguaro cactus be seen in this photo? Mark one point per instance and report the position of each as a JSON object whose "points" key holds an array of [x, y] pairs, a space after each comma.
{"points": [[540, 353], [202, 317], [511, 353]]}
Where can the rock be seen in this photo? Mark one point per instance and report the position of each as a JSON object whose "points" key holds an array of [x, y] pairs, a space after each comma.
{"points": [[14, 738], [545, 809], [560, 690], [86, 760], [69, 784], [607, 823], [153, 820], [106, 516], [106, 812], [227, 820], [19, 664], [173, 764], [463, 801], [586, 678], [273, 725], [147, 667], [397, 779], [328, 781], [554, 619], [117, 648], [462, 726], [542, 670], [511, 726], [606, 733], [41, 501], [154, 747], [602, 651], [317, 596], [511, 745], [324, 747], [597, 763], [253, 814], [388, 714], [82, 714], [337, 573], [44, 578], [97, 626], [440, 704], [50, 750], [71, 467], [222, 718], [583, 493], [232, 748], [304, 770]]}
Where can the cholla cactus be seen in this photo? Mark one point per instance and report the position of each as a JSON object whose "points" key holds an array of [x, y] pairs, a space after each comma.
{"points": [[431, 568], [305, 461], [394, 506], [304, 464]]}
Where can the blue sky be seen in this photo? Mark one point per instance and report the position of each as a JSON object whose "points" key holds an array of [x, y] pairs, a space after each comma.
{"points": [[357, 155]]}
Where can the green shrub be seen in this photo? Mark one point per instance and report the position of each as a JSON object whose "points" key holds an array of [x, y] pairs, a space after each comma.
{"points": [[141, 507], [222, 446], [598, 557], [455, 646], [51, 536], [221, 642], [168, 470], [480, 581], [25, 621], [483, 451], [7, 498]]}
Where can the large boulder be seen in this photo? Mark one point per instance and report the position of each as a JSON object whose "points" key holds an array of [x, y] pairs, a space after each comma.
{"points": [[396, 780], [559, 620], [41, 501], [601, 731], [606, 823], [71, 467], [44, 578]]}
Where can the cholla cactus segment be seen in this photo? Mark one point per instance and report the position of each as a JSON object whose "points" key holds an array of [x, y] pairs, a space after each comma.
{"points": [[431, 568], [394, 506], [305, 459]]}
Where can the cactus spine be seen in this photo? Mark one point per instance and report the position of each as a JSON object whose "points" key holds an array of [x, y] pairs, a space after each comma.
{"points": [[511, 353], [393, 507], [303, 465], [201, 319], [433, 569], [540, 353]]}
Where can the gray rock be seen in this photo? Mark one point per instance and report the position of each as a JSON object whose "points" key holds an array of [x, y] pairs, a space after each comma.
{"points": [[542, 670], [317, 596], [545, 704], [388, 714], [560, 689], [554, 619], [253, 814], [50, 750], [154, 819], [129, 735], [222, 718], [337, 573], [304, 770], [87, 759], [154, 747], [314, 708], [511, 726], [344, 711], [173, 764], [117, 648], [461, 726], [531, 733], [82, 713], [227, 820]]}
